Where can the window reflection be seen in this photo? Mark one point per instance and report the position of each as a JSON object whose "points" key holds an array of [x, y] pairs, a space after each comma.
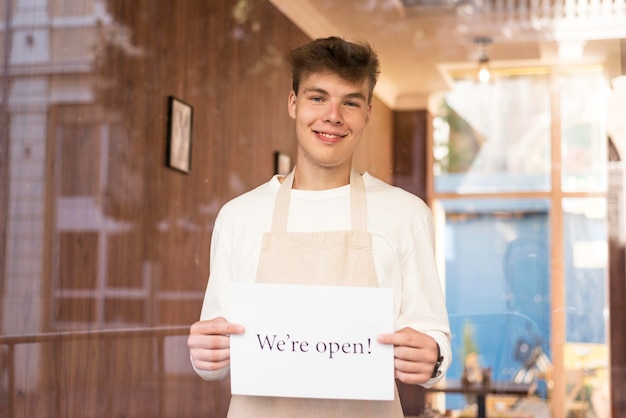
{"points": [[104, 252]]}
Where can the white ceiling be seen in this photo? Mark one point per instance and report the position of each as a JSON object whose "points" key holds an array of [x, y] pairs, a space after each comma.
{"points": [[419, 47]]}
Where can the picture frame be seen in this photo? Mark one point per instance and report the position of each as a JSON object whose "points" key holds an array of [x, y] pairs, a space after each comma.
{"points": [[180, 120], [282, 163]]}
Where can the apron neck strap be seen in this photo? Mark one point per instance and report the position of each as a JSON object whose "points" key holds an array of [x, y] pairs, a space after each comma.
{"points": [[357, 202]]}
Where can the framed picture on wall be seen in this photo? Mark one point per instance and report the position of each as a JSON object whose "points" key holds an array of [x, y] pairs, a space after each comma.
{"points": [[282, 163], [179, 135]]}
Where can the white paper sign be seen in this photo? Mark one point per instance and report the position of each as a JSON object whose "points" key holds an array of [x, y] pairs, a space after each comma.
{"points": [[311, 341]]}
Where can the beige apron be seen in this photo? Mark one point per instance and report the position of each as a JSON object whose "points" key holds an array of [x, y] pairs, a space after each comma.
{"points": [[323, 258]]}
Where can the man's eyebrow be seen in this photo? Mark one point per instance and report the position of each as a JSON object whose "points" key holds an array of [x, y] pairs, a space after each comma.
{"points": [[314, 89], [355, 95]]}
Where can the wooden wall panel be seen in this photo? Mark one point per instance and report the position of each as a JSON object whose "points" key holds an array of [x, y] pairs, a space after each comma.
{"points": [[374, 153], [409, 151], [617, 325]]}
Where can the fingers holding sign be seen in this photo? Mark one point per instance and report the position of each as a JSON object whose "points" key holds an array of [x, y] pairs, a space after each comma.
{"points": [[209, 343], [415, 355]]}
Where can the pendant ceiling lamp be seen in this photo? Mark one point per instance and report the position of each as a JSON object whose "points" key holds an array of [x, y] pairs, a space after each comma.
{"points": [[483, 72]]}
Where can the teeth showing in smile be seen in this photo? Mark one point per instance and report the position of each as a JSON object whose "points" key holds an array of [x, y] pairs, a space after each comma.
{"points": [[329, 136]]}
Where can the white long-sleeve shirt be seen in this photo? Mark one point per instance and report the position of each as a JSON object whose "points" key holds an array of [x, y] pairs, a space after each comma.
{"points": [[402, 242]]}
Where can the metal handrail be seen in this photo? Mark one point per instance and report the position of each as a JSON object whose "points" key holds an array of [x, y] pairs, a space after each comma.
{"points": [[93, 334], [104, 334]]}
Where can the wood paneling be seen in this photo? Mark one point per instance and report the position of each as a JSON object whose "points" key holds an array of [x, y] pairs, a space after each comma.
{"points": [[617, 325], [375, 152], [409, 151]]}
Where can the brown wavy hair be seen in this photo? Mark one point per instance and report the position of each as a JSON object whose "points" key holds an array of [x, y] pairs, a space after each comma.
{"points": [[352, 61]]}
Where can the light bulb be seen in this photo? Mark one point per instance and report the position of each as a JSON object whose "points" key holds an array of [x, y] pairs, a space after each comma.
{"points": [[484, 74]]}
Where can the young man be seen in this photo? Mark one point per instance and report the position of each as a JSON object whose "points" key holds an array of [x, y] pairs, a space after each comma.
{"points": [[282, 229]]}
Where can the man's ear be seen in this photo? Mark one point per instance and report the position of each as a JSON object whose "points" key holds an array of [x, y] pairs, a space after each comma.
{"points": [[291, 104]]}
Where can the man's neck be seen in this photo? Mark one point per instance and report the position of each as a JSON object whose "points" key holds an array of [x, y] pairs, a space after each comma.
{"points": [[320, 178]]}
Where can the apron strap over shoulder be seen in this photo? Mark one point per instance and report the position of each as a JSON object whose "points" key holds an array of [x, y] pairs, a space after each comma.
{"points": [[281, 207], [357, 201]]}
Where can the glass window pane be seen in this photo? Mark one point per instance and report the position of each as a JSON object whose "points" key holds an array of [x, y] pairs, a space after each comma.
{"points": [[585, 267], [584, 141], [497, 275], [493, 137], [585, 259]]}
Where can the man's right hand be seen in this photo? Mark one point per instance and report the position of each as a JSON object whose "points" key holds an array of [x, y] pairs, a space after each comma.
{"points": [[209, 343]]}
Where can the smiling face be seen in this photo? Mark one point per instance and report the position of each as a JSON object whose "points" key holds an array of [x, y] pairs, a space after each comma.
{"points": [[330, 115]]}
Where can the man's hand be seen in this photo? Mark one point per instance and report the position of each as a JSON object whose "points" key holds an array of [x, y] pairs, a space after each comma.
{"points": [[209, 343], [415, 355]]}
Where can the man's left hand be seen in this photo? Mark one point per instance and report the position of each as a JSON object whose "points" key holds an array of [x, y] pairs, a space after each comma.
{"points": [[415, 355]]}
